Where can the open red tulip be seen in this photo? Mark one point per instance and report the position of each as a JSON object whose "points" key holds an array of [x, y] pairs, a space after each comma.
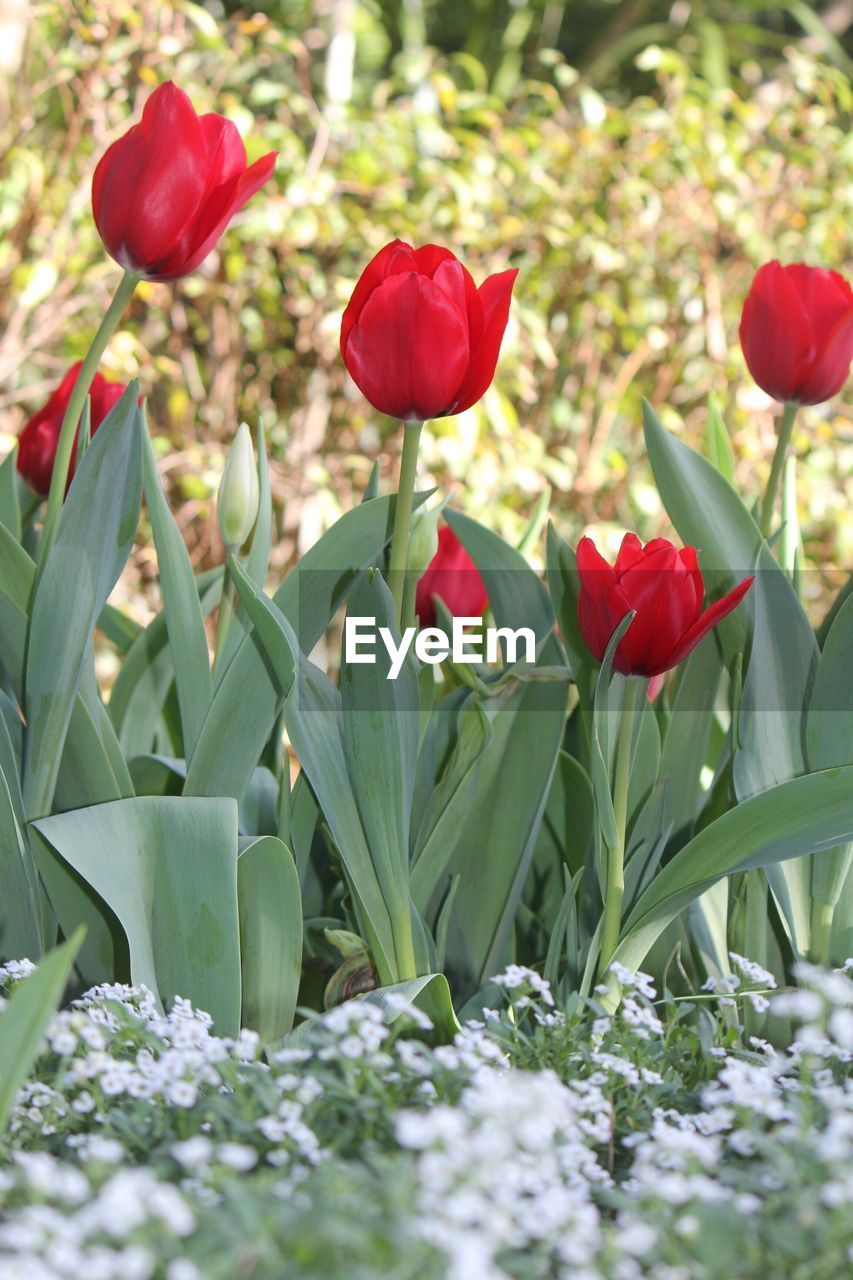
{"points": [[418, 337], [454, 578], [163, 194], [665, 588], [797, 332], [39, 438]]}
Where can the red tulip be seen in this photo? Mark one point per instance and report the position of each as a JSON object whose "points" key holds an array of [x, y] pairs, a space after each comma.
{"points": [[39, 438], [664, 586], [454, 578], [797, 332], [164, 193], [418, 337]]}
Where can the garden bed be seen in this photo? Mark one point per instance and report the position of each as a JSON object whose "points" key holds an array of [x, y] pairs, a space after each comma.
{"points": [[664, 1141]]}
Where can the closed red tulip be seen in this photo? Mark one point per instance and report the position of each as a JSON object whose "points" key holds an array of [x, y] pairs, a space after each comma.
{"points": [[163, 194], [664, 586], [454, 578], [39, 438], [797, 332], [418, 337]]}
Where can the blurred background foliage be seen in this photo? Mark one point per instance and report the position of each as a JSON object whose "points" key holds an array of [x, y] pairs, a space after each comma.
{"points": [[637, 161]]}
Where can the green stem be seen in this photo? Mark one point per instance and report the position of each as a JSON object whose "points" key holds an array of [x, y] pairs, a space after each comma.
{"points": [[70, 421], [615, 885], [822, 914], [404, 948], [407, 616], [403, 516], [786, 426], [226, 610]]}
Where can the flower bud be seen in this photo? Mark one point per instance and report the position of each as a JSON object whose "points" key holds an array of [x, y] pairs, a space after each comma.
{"points": [[237, 501], [423, 539]]}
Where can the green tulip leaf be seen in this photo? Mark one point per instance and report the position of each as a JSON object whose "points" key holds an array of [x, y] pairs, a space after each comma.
{"points": [[804, 816], [270, 935], [184, 620], [94, 536], [173, 889], [25, 1018]]}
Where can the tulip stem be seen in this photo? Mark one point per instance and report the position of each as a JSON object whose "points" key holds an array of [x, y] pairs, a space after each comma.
{"points": [[403, 518], [615, 882], [71, 420], [786, 426], [226, 610]]}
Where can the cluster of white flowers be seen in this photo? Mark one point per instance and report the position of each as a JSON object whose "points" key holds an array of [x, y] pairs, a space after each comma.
{"points": [[510, 1168], [72, 1229]]}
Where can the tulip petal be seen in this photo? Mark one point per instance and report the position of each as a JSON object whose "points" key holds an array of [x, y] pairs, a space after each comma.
{"points": [[495, 295], [371, 278], [601, 603], [630, 552], [429, 257], [452, 576], [690, 559], [148, 184], [204, 236], [776, 333], [826, 296], [706, 622], [832, 363], [409, 350]]}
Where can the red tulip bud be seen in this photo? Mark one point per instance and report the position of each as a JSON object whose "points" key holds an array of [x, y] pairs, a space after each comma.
{"points": [[797, 332], [418, 337], [454, 578], [164, 193], [665, 588], [39, 438]]}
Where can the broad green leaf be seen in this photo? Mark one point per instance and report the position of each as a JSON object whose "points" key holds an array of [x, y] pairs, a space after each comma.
{"points": [[137, 697], [429, 993], [24, 1021], [645, 761], [245, 706], [516, 596], [778, 681], [564, 588], [184, 621], [270, 935], [688, 735], [708, 917], [118, 628], [720, 451], [804, 816], [93, 766], [829, 740], [10, 506], [829, 725], [381, 722], [174, 889], [371, 489], [708, 515], [607, 713], [570, 816], [446, 809], [17, 571], [314, 721], [513, 778], [20, 919], [93, 539]]}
